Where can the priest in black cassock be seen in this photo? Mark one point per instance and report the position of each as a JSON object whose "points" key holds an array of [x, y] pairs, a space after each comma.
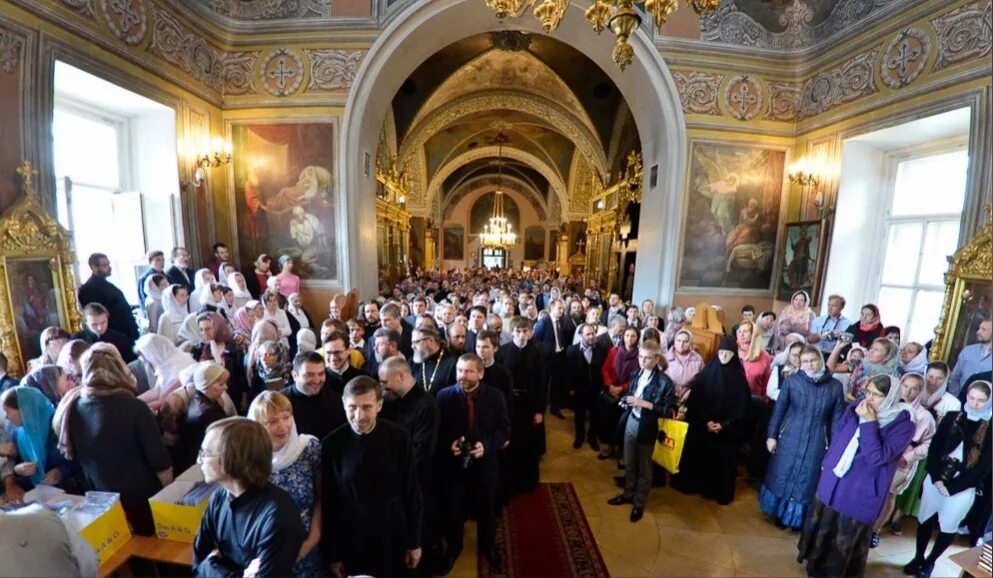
{"points": [[523, 358], [317, 408], [372, 505], [495, 375], [433, 366], [98, 289], [474, 421], [339, 370]]}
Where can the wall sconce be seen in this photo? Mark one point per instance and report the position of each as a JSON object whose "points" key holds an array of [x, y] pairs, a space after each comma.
{"points": [[625, 230], [218, 154], [807, 172]]}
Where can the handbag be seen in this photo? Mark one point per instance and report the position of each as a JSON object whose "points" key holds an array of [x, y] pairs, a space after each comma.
{"points": [[669, 445]]}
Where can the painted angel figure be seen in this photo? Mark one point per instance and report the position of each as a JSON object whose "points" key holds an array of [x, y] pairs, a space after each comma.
{"points": [[308, 231], [720, 185]]}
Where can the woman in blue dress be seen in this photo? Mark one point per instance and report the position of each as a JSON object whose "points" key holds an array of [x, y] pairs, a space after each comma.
{"points": [[809, 405], [296, 467]]}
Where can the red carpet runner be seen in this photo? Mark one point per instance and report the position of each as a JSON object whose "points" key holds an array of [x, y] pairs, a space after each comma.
{"points": [[545, 534]]}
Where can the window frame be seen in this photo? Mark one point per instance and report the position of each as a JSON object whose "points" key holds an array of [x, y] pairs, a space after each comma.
{"points": [[894, 158]]}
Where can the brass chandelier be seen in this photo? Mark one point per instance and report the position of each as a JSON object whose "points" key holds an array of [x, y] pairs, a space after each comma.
{"points": [[498, 233], [620, 16]]}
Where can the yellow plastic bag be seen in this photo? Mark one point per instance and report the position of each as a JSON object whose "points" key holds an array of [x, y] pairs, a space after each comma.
{"points": [[668, 452]]}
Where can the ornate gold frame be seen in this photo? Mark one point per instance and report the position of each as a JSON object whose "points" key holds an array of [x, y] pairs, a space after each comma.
{"points": [[27, 231], [973, 263]]}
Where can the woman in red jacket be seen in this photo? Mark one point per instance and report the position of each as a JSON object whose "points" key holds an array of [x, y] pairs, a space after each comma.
{"points": [[622, 361]]}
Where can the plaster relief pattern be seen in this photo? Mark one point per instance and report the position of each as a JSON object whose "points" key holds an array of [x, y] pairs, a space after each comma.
{"points": [[698, 91], [964, 33], [271, 9], [84, 7], [743, 97], [127, 19], [844, 83], [191, 53], [11, 50], [239, 68], [332, 69], [784, 102], [281, 72], [905, 58]]}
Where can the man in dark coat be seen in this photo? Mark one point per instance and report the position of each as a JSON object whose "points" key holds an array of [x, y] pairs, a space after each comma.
{"points": [[98, 289], [96, 328], [523, 359], [432, 365], [554, 334], [317, 408], [585, 360], [474, 426], [180, 272], [372, 500]]}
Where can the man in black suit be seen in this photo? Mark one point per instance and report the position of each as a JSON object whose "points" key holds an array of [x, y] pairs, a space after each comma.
{"points": [[614, 307], [585, 360], [98, 289], [615, 332], [554, 334], [392, 320], [180, 273], [96, 328], [385, 344], [433, 366], [339, 370], [474, 421], [522, 357], [477, 323]]}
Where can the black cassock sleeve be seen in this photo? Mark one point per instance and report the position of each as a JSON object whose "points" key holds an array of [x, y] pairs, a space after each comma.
{"points": [[413, 506]]}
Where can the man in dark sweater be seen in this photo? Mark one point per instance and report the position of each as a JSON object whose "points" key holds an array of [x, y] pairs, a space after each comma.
{"points": [[339, 369], [98, 289], [97, 329], [317, 408]]}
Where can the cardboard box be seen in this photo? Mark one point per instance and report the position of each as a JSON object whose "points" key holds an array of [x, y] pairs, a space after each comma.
{"points": [[174, 521], [108, 533]]}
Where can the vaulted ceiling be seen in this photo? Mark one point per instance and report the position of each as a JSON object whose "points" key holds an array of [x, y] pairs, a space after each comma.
{"points": [[565, 120]]}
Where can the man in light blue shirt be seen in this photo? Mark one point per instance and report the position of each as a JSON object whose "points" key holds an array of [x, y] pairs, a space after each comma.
{"points": [[973, 358], [824, 330]]}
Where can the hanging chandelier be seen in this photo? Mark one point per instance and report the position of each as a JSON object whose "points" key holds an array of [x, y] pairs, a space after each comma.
{"points": [[498, 233], [620, 16]]}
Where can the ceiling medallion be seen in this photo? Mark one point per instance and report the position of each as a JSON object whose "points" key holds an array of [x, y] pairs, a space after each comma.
{"points": [[620, 16], [510, 41]]}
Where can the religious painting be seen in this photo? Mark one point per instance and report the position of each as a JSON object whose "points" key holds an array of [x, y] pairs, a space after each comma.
{"points": [[802, 269], [976, 300], [454, 238], [35, 300], [534, 243], [284, 196], [732, 217]]}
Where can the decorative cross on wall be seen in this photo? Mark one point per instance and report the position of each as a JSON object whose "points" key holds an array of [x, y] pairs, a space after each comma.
{"points": [[743, 97], [901, 61], [129, 16], [27, 172], [282, 72]]}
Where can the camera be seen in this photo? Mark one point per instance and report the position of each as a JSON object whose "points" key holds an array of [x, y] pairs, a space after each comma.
{"points": [[846, 337], [949, 467], [465, 446]]}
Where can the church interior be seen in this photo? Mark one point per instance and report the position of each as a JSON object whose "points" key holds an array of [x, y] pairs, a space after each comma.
{"points": [[710, 155]]}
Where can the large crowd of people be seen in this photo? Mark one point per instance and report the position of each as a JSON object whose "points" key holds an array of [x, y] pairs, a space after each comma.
{"points": [[362, 445]]}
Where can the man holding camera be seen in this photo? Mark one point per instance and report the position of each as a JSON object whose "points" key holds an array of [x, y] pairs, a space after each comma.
{"points": [[474, 426]]}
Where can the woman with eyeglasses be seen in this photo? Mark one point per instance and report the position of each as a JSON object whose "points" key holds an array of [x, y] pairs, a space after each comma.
{"points": [[856, 474]]}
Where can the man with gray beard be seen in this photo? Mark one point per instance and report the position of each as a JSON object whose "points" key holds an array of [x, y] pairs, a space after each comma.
{"points": [[432, 365]]}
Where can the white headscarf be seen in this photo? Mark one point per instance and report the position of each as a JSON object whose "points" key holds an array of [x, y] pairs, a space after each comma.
{"points": [[983, 414], [887, 412], [241, 294], [202, 294], [222, 277], [306, 341], [166, 360], [152, 291], [171, 308], [299, 314], [291, 450]]}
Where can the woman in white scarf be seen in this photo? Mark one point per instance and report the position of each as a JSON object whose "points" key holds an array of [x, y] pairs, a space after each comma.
{"points": [[202, 281], [167, 362], [886, 411], [296, 464], [278, 316], [174, 312], [241, 294], [936, 397], [154, 286]]}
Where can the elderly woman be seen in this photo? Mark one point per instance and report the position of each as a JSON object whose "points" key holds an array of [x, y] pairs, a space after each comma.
{"points": [[958, 462], [274, 313], [880, 359], [167, 361], [796, 317], [30, 413], [622, 361], [187, 411], [113, 436], [911, 388], [273, 371], [50, 380], [676, 319], [866, 448], [51, 340], [175, 301], [810, 404], [684, 363], [296, 468]]}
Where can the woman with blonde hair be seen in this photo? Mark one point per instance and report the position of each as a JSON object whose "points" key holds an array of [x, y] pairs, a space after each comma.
{"points": [[296, 468], [113, 436], [881, 359]]}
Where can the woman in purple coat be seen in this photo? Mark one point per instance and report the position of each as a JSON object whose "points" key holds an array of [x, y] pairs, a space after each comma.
{"points": [[856, 474]]}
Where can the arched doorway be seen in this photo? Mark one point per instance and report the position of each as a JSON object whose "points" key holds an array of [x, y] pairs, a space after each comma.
{"points": [[426, 26]]}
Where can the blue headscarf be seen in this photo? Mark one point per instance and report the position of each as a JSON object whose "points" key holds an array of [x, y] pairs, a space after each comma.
{"points": [[36, 426]]}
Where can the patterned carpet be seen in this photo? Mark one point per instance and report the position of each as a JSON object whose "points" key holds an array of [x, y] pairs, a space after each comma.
{"points": [[545, 534]]}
